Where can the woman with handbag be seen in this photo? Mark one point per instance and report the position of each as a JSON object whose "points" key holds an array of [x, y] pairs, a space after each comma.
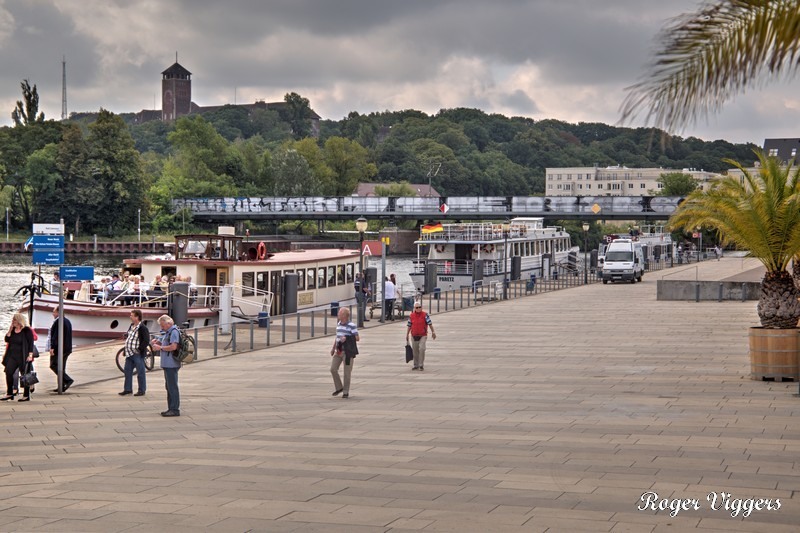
{"points": [[18, 356]]}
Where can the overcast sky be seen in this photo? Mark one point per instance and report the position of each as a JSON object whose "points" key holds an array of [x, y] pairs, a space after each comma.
{"points": [[562, 59]]}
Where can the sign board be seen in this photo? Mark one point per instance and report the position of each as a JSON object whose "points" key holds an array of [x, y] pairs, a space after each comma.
{"points": [[372, 248], [695, 235], [76, 273], [596, 208], [48, 229], [45, 243], [48, 258]]}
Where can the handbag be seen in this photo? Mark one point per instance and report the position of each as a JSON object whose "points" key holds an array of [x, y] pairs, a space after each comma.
{"points": [[409, 353], [28, 378]]}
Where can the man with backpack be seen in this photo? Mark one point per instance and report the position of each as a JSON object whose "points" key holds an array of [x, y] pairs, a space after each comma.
{"points": [[418, 323], [168, 344]]}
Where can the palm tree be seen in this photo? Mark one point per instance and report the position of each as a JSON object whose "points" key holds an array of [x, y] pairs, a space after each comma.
{"points": [[760, 214], [711, 55]]}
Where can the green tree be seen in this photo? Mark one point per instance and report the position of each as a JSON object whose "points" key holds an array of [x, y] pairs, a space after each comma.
{"points": [[27, 110], [675, 184], [395, 189], [708, 56], [314, 156], [348, 161], [115, 166], [293, 175], [297, 113], [761, 215]]}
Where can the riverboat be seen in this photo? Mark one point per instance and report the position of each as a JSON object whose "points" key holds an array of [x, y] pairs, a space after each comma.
{"points": [[229, 280], [482, 253]]}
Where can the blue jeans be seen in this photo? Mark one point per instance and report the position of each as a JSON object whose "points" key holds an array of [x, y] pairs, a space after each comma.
{"points": [[173, 396], [137, 362]]}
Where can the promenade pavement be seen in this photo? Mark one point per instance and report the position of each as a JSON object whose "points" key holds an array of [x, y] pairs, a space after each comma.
{"points": [[554, 412]]}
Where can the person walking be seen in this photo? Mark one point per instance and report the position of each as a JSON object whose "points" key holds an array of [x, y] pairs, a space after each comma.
{"points": [[344, 349], [389, 298], [418, 323], [53, 346], [136, 341], [18, 355], [167, 343]]}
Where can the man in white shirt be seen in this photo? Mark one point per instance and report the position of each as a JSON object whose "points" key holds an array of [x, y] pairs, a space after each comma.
{"points": [[389, 297]]}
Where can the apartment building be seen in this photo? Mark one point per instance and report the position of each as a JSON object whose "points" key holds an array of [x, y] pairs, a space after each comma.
{"points": [[613, 181]]}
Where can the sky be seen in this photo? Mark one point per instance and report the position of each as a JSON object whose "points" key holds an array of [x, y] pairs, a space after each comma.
{"points": [[568, 60]]}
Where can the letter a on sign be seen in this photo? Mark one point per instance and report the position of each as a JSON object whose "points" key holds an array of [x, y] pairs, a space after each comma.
{"points": [[366, 250]]}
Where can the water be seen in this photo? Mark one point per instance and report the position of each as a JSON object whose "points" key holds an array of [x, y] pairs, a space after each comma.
{"points": [[15, 271]]}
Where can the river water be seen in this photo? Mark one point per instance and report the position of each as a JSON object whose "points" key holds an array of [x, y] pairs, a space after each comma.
{"points": [[15, 271]]}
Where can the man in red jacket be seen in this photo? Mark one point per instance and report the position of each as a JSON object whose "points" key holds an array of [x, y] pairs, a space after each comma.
{"points": [[418, 323]]}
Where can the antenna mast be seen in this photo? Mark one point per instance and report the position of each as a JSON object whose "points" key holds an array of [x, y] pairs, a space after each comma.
{"points": [[63, 88]]}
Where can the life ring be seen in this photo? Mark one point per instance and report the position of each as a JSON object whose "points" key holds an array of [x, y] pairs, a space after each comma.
{"points": [[439, 248], [262, 250]]}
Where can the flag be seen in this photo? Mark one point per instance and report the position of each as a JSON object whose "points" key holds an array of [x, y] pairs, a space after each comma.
{"points": [[432, 228], [28, 243], [444, 209]]}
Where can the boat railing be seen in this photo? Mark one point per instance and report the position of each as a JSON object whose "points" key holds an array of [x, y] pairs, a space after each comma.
{"points": [[458, 267], [478, 232]]}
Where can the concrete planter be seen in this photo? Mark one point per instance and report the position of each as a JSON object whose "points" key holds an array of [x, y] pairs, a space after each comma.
{"points": [[774, 354]]}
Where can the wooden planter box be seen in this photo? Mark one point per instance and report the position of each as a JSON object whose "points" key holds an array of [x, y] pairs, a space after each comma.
{"points": [[774, 354]]}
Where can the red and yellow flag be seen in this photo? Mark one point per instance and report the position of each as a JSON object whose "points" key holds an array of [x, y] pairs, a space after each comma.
{"points": [[432, 228]]}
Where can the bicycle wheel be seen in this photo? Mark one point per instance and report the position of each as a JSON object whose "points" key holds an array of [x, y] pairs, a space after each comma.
{"points": [[149, 359], [120, 359]]}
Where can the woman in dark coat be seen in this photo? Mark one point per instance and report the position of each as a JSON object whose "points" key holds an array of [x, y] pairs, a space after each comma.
{"points": [[19, 355]]}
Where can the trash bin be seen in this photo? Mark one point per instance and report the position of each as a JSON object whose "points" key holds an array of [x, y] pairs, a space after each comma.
{"points": [[555, 274], [263, 320], [334, 308], [436, 293]]}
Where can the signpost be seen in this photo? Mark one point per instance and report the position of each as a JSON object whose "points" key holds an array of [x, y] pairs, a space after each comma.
{"points": [[48, 249], [76, 273]]}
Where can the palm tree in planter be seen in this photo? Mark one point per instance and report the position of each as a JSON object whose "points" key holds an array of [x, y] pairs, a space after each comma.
{"points": [[761, 214]]}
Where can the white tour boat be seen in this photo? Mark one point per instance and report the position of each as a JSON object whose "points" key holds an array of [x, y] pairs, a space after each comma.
{"points": [[231, 280], [481, 253]]}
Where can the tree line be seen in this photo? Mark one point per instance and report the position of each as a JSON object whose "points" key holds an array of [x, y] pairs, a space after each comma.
{"points": [[99, 171]]}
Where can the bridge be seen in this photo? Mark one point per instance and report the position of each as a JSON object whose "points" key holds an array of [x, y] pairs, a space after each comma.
{"points": [[441, 208]]}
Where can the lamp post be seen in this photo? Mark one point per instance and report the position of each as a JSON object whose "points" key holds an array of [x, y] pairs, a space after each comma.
{"points": [[699, 243], [6, 224], [506, 230], [139, 226], [361, 227], [585, 251]]}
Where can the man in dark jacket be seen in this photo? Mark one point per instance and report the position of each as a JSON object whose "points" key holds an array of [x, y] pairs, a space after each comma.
{"points": [[68, 381], [136, 342]]}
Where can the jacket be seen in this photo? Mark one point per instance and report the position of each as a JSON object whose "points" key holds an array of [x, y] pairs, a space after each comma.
{"points": [[27, 343], [67, 336], [419, 324]]}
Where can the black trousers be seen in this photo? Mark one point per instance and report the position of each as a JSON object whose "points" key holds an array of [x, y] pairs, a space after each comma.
{"points": [[54, 367], [14, 364]]}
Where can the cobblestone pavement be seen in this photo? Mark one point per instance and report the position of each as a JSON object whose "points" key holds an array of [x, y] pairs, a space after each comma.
{"points": [[555, 412]]}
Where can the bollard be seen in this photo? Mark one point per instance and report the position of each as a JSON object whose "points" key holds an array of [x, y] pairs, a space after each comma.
{"points": [[196, 344], [312, 324], [252, 335], [744, 296], [298, 326], [283, 329], [696, 292], [216, 333], [233, 338], [720, 292], [269, 327]]}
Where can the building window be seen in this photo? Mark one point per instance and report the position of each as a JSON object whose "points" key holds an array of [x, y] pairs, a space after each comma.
{"points": [[660, 185], [630, 185], [588, 185], [580, 185], [794, 152], [773, 152], [549, 185], [248, 279]]}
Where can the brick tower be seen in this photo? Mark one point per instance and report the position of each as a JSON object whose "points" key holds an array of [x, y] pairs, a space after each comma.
{"points": [[176, 92]]}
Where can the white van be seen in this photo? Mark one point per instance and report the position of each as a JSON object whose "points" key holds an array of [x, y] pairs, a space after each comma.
{"points": [[624, 261]]}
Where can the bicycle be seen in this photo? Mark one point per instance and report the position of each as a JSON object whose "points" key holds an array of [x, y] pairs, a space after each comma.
{"points": [[149, 360]]}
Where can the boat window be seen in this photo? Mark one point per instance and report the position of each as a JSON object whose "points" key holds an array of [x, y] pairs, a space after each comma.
{"points": [[321, 278], [301, 279], [262, 281], [331, 276], [340, 274], [311, 278], [349, 270], [247, 283], [195, 248]]}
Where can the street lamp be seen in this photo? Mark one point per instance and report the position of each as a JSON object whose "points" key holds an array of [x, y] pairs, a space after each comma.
{"points": [[361, 227], [585, 251], [6, 224], [699, 243], [139, 227], [506, 231]]}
